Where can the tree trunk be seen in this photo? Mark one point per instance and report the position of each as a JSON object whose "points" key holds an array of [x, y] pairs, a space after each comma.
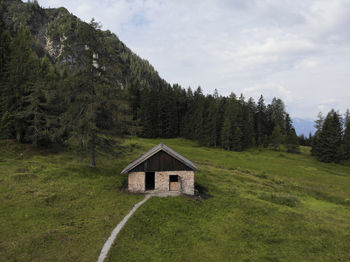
{"points": [[35, 140], [92, 152], [19, 136]]}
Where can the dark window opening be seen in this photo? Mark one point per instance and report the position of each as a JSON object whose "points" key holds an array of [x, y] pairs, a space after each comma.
{"points": [[149, 180], [174, 178]]}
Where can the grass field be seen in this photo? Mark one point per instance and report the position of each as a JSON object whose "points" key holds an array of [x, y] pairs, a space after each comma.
{"points": [[265, 206]]}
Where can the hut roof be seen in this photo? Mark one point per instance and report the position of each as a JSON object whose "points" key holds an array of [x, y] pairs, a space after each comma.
{"points": [[153, 151]]}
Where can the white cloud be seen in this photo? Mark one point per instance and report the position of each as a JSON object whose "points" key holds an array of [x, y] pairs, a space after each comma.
{"points": [[306, 64], [270, 90], [297, 50], [290, 44]]}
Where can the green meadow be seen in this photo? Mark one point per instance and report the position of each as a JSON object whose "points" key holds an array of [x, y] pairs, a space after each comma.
{"points": [[261, 205]]}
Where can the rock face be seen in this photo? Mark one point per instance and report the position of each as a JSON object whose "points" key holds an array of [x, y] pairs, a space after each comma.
{"points": [[162, 182], [54, 49]]}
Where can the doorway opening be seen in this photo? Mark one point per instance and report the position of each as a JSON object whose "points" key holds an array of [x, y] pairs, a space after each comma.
{"points": [[174, 183], [150, 180]]}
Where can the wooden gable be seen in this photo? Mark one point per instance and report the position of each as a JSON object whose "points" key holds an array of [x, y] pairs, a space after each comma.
{"points": [[161, 161]]}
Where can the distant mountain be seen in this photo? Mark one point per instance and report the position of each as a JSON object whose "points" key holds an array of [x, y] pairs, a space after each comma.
{"points": [[303, 126]]}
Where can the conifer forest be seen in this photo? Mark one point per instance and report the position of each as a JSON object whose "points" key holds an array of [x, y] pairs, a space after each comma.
{"points": [[77, 86]]}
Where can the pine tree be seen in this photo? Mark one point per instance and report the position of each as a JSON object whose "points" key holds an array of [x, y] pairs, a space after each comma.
{"points": [[238, 123], [277, 115], [346, 139], [222, 104], [226, 133], [198, 115], [249, 110], [39, 107], [182, 108], [91, 93], [330, 139], [302, 140], [291, 138], [288, 124], [309, 140], [19, 77], [276, 137], [260, 122], [168, 120], [5, 44], [134, 91], [315, 143], [236, 140], [188, 126], [210, 121], [35, 112], [229, 124], [292, 142]]}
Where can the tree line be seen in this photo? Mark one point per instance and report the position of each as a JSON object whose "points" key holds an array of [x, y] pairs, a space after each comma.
{"points": [[331, 141], [305, 140], [232, 122]]}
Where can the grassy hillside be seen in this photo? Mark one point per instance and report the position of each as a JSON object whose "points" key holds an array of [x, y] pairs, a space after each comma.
{"points": [[55, 208], [265, 206]]}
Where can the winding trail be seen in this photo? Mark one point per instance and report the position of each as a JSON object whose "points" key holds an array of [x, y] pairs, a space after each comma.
{"points": [[117, 229]]}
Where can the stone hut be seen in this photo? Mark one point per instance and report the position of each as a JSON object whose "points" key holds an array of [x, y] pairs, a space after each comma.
{"points": [[161, 169]]}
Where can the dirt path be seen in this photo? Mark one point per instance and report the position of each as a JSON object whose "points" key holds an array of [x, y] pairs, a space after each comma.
{"points": [[116, 230]]}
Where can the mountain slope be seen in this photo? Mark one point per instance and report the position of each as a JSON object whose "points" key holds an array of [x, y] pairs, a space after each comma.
{"points": [[51, 27]]}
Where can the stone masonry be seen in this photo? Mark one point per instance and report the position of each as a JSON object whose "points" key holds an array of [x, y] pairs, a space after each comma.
{"points": [[136, 181], [186, 181]]}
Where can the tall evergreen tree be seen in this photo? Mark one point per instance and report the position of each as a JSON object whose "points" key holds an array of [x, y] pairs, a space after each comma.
{"points": [[276, 114], [291, 138], [330, 139], [226, 132], [315, 150], [19, 77], [346, 139], [292, 142], [149, 112], [209, 126], [39, 104], [182, 107], [260, 121], [288, 124], [276, 137], [168, 117], [249, 110], [198, 115], [236, 143], [5, 44], [91, 91], [222, 104]]}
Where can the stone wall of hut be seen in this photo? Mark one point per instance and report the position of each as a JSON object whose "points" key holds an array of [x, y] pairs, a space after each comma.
{"points": [[136, 182]]}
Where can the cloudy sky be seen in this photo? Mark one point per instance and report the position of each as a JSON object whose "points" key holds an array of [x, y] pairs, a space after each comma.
{"points": [[296, 50]]}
